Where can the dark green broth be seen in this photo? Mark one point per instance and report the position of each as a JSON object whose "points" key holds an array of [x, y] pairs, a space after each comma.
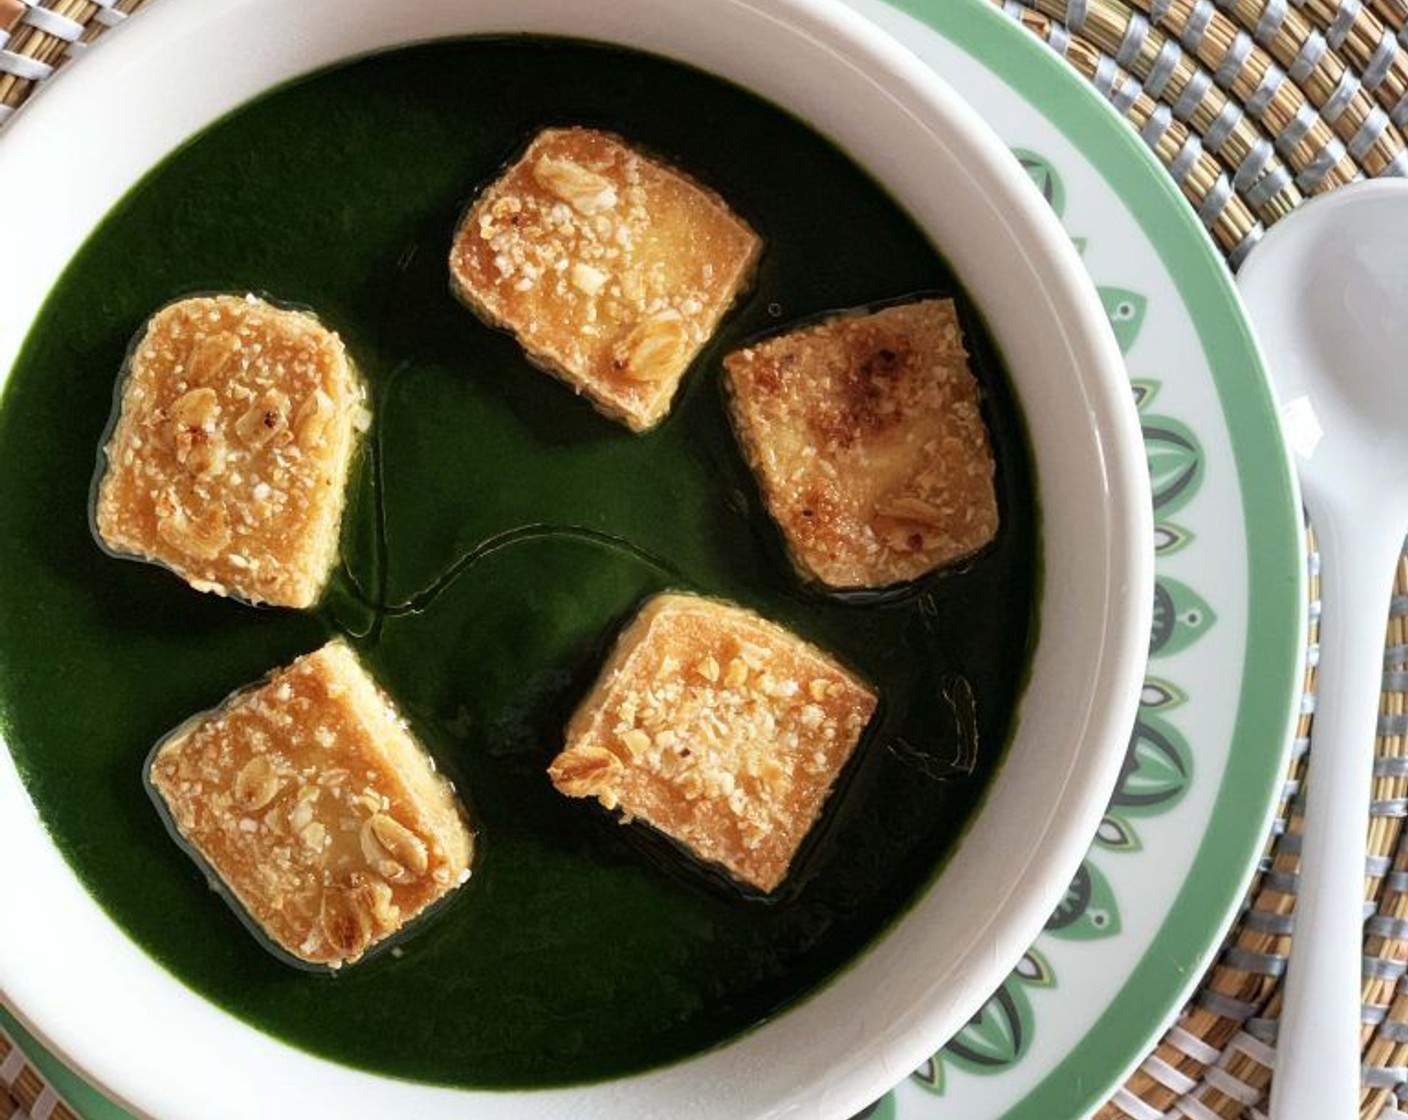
{"points": [[580, 949]]}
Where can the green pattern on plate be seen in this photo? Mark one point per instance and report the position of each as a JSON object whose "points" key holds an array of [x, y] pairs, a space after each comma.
{"points": [[1157, 770], [1035, 969], [1160, 695], [1144, 390], [1116, 834], [1181, 617], [1170, 537], [999, 1035], [1125, 310], [1044, 175], [1089, 910], [931, 1075], [1175, 463]]}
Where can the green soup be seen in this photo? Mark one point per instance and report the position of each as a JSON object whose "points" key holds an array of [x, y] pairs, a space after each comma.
{"points": [[500, 532]]}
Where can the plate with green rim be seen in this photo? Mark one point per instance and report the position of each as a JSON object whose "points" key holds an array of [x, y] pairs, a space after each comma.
{"points": [[1161, 884]]}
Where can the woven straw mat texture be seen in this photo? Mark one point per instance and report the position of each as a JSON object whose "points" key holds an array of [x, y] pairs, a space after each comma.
{"points": [[1252, 106]]}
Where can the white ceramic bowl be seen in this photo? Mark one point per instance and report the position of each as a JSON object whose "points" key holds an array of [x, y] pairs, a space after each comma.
{"points": [[68, 158]]}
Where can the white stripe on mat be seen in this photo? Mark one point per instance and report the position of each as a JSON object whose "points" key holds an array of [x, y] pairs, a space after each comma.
{"points": [[1133, 1106], [51, 23], [1254, 1049], [1167, 1076], [1194, 1109], [45, 1103], [1344, 20], [1377, 70], [22, 66], [1194, 1046], [1231, 1086], [12, 1065]]}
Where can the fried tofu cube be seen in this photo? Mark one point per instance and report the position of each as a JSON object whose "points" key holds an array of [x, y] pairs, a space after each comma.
{"points": [[867, 438], [720, 729], [611, 268], [230, 453], [319, 812]]}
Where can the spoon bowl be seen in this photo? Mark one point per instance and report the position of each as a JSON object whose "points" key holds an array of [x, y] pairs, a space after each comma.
{"points": [[1328, 290]]}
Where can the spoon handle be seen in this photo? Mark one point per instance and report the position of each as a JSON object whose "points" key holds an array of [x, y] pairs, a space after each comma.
{"points": [[1318, 1048]]}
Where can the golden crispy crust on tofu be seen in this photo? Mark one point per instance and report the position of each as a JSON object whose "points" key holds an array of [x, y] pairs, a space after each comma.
{"points": [[611, 269], [320, 813], [229, 458], [867, 439], [720, 729]]}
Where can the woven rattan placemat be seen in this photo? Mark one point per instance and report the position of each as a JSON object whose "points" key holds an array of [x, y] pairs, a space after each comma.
{"points": [[1252, 106]]}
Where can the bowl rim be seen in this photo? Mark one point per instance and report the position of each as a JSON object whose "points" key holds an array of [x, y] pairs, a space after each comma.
{"points": [[1108, 713]]}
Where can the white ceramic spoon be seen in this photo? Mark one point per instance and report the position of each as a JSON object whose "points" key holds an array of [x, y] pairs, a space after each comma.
{"points": [[1327, 289]]}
